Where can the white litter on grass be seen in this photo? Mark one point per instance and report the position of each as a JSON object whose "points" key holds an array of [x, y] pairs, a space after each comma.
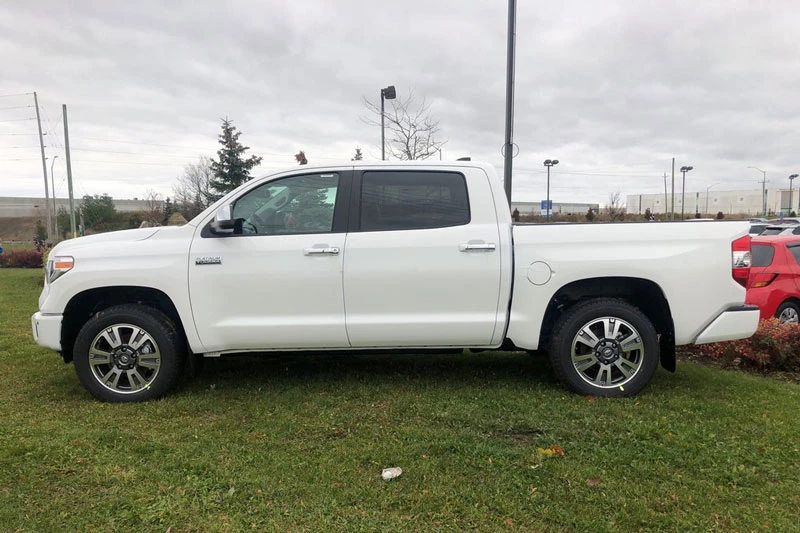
{"points": [[391, 473]]}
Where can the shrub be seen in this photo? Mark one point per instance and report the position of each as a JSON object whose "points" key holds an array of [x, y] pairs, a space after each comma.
{"points": [[22, 259], [773, 347]]}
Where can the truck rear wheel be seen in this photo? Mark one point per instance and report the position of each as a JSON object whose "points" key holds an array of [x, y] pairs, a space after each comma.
{"points": [[128, 353], [604, 347]]}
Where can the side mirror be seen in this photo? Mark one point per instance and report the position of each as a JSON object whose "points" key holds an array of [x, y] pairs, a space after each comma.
{"points": [[223, 222]]}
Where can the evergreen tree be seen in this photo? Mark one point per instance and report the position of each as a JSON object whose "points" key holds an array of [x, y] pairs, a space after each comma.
{"points": [[231, 169], [169, 208], [97, 209]]}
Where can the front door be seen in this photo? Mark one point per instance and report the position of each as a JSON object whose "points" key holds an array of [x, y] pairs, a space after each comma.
{"points": [[277, 281]]}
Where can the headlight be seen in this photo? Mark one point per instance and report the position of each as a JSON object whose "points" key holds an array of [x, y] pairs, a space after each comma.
{"points": [[58, 266]]}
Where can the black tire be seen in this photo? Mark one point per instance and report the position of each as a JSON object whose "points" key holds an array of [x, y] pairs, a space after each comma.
{"points": [[138, 354], [620, 365], [788, 312]]}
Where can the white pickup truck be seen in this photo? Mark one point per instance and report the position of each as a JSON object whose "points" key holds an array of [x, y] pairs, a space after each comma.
{"points": [[390, 256]]}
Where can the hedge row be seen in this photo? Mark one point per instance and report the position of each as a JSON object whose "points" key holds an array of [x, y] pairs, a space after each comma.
{"points": [[21, 259], [774, 346]]}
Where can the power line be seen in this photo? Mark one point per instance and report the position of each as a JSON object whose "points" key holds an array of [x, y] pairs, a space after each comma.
{"points": [[18, 119], [18, 133], [15, 107], [131, 153], [205, 148], [17, 94]]}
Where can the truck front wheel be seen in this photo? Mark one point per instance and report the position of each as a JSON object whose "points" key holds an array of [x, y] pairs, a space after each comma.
{"points": [[604, 347], [128, 353]]}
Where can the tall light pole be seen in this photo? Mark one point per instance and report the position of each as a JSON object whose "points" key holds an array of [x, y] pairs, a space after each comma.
{"points": [[549, 163], [763, 188], [508, 146], [791, 179], [684, 170], [53, 189], [389, 93], [708, 189]]}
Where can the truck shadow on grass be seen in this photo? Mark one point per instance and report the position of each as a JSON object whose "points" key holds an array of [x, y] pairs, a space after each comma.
{"points": [[247, 370]]}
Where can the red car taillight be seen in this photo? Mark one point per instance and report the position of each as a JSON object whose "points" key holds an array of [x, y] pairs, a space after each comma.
{"points": [[761, 279], [741, 257]]}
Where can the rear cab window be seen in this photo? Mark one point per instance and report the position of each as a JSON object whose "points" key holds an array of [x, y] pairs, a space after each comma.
{"points": [[408, 200]]}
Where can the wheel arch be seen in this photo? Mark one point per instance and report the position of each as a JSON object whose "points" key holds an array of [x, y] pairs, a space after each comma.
{"points": [[86, 304], [642, 293]]}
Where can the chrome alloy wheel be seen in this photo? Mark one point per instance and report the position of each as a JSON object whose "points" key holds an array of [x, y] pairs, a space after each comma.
{"points": [[789, 316], [607, 352], [124, 358]]}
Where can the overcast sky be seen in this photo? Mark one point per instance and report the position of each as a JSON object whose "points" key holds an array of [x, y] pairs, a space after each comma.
{"points": [[613, 90]]}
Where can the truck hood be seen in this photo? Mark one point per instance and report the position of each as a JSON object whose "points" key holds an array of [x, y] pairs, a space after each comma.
{"points": [[128, 235]]}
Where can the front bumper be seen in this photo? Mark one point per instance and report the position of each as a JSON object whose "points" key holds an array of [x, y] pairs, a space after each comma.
{"points": [[47, 330], [735, 323]]}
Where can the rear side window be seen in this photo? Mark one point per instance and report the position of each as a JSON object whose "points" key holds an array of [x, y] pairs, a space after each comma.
{"points": [[795, 249], [762, 255], [399, 200], [772, 231]]}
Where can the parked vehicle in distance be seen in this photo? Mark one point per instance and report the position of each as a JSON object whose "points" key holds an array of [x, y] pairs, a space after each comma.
{"points": [[785, 220], [758, 228], [781, 229], [390, 256], [774, 282], [757, 220]]}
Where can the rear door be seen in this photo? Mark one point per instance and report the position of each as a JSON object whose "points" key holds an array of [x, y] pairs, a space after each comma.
{"points": [[422, 266]]}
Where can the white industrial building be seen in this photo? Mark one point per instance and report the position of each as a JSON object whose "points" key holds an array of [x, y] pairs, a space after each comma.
{"points": [[535, 208], [750, 202], [12, 206]]}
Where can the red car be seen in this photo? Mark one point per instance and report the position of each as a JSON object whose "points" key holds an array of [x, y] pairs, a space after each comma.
{"points": [[774, 282]]}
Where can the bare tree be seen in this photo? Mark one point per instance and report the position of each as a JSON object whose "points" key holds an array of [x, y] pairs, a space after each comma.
{"points": [[193, 191], [153, 206], [300, 157], [616, 207], [411, 129]]}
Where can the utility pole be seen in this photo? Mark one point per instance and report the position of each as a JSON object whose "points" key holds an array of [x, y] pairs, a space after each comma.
{"points": [[55, 211], [44, 170], [672, 208], [69, 173], [508, 147], [666, 202], [763, 187]]}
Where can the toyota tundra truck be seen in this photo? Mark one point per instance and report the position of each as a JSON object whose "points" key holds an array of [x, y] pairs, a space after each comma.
{"points": [[385, 256]]}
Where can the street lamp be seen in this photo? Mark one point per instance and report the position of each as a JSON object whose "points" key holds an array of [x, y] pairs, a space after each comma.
{"points": [[389, 93], [708, 189], [55, 213], [763, 187], [791, 179], [684, 170], [549, 163]]}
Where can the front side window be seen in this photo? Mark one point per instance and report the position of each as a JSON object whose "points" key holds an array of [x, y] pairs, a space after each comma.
{"points": [[402, 200], [300, 204]]}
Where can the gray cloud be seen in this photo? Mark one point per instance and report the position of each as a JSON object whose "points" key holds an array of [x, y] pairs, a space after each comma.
{"points": [[613, 89]]}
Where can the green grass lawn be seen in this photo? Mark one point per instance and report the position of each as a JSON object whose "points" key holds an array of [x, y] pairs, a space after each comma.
{"points": [[297, 443]]}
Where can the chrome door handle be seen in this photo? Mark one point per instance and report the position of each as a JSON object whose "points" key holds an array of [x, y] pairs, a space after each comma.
{"points": [[329, 250], [472, 246]]}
